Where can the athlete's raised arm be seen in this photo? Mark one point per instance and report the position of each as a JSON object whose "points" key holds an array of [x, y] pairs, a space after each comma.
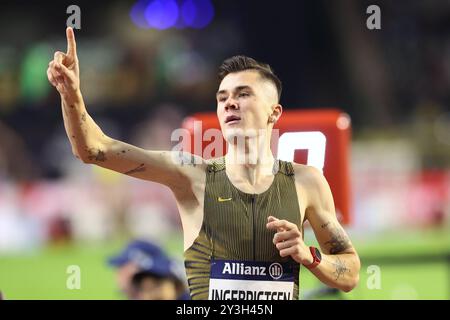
{"points": [[91, 145]]}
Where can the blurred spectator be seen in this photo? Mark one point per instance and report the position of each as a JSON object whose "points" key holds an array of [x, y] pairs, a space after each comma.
{"points": [[145, 272], [15, 161], [154, 132]]}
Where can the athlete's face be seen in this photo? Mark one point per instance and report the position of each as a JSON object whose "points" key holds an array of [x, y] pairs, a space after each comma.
{"points": [[246, 103]]}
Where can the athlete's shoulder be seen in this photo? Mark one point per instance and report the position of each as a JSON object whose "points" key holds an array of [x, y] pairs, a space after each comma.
{"points": [[186, 159], [308, 175], [192, 168], [190, 165], [305, 170], [215, 164], [212, 161]]}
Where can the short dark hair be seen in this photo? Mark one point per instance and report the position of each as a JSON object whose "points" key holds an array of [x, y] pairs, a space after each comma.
{"points": [[242, 63]]}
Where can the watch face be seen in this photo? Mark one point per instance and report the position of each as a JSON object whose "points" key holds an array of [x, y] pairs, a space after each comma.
{"points": [[318, 254]]}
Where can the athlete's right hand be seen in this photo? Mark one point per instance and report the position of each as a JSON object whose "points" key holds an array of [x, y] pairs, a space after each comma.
{"points": [[63, 71]]}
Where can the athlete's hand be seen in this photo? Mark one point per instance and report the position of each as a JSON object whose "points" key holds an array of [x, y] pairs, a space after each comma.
{"points": [[288, 240], [63, 71]]}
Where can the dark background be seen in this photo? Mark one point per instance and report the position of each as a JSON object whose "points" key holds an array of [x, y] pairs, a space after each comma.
{"points": [[385, 79]]}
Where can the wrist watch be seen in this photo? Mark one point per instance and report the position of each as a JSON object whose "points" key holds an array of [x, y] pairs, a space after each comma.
{"points": [[317, 257]]}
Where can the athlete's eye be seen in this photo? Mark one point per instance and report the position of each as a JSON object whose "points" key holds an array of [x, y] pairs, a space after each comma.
{"points": [[222, 99], [244, 94]]}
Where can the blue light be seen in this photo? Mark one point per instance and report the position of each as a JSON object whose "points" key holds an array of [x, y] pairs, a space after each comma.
{"points": [[137, 14], [197, 13], [162, 14]]}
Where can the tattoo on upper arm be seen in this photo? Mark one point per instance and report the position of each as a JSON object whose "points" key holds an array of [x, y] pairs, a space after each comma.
{"points": [[341, 268], [339, 241], [188, 159], [140, 168]]}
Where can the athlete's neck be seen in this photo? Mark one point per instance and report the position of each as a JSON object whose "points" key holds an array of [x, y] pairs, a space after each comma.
{"points": [[250, 162]]}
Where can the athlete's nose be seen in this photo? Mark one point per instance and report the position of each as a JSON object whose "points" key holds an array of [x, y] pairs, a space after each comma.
{"points": [[231, 104]]}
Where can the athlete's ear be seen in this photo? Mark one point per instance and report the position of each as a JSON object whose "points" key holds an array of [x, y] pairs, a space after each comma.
{"points": [[277, 110]]}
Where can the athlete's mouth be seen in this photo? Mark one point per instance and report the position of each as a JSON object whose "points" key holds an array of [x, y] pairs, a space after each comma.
{"points": [[232, 118]]}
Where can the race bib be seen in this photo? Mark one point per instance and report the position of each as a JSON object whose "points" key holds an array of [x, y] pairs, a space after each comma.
{"points": [[250, 280]]}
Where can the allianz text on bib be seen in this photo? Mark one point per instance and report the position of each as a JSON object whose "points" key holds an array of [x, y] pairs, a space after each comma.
{"points": [[250, 280]]}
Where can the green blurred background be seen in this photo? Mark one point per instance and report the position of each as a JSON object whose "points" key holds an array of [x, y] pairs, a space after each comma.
{"points": [[412, 266]]}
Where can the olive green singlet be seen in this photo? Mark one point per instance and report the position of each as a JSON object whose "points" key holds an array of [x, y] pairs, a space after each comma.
{"points": [[234, 224]]}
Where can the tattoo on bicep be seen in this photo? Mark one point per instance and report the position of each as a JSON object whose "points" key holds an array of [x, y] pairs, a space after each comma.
{"points": [[339, 241], [140, 168], [340, 268]]}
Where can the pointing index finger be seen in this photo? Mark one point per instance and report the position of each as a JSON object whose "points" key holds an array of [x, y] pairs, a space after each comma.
{"points": [[71, 44]]}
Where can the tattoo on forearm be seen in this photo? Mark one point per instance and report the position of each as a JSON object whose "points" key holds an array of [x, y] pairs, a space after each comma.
{"points": [[97, 155], [341, 268], [138, 169], [339, 241]]}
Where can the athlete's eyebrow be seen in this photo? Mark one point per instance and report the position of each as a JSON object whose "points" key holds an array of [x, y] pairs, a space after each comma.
{"points": [[240, 88], [221, 92], [236, 89]]}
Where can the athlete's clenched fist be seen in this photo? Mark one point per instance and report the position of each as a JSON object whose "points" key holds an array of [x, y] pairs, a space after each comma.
{"points": [[288, 240]]}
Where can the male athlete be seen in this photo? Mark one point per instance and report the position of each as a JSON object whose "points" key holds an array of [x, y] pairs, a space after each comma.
{"points": [[242, 219]]}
